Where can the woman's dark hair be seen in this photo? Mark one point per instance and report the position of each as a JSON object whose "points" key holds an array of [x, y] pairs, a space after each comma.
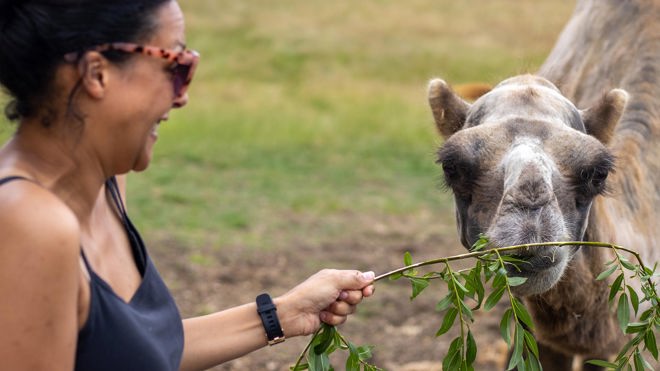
{"points": [[35, 35]]}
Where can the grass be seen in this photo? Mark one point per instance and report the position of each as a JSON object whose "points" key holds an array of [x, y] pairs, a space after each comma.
{"points": [[307, 115]]}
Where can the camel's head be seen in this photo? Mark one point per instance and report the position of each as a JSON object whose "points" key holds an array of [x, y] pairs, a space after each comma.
{"points": [[524, 165]]}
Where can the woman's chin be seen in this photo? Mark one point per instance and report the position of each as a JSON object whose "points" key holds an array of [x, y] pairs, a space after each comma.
{"points": [[143, 162]]}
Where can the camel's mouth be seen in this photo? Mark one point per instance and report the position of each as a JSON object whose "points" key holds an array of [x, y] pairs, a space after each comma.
{"points": [[531, 264], [543, 268]]}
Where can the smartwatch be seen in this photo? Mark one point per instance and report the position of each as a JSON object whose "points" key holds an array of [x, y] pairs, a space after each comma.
{"points": [[268, 313]]}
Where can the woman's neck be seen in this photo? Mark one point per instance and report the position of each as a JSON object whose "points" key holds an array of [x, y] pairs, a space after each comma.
{"points": [[57, 162]]}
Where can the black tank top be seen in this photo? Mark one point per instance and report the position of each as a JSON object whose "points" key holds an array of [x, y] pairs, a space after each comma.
{"points": [[144, 334]]}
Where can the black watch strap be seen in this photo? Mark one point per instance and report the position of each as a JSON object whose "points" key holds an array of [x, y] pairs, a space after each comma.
{"points": [[268, 313]]}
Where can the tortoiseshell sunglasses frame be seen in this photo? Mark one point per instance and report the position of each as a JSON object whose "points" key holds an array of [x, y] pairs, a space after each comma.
{"points": [[186, 60]]}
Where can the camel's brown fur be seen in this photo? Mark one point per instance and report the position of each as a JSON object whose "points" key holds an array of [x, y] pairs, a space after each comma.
{"points": [[518, 159]]}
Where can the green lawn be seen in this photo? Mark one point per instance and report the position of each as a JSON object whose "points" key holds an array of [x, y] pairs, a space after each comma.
{"points": [[307, 115]]}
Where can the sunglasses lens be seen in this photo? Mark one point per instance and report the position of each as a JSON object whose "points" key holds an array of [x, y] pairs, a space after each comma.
{"points": [[181, 79]]}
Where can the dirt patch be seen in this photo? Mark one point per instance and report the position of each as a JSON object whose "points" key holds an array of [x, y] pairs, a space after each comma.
{"points": [[403, 331]]}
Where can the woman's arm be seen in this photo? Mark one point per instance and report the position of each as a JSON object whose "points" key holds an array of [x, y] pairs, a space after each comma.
{"points": [[330, 296], [39, 279]]}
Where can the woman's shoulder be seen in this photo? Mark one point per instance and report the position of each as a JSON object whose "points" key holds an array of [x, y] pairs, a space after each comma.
{"points": [[31, 215], [39, 255]]}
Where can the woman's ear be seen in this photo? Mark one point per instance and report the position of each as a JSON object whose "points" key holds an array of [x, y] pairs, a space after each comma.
{"points": [[93, 70]]}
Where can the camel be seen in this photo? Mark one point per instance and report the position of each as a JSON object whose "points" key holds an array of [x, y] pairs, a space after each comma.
{"points": [[526, 165]]}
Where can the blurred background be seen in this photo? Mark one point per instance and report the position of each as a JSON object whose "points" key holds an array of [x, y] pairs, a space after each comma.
{"points": [[308, 143]]}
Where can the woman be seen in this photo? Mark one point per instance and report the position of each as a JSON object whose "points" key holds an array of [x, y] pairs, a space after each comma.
{"points": [[90, 82]]}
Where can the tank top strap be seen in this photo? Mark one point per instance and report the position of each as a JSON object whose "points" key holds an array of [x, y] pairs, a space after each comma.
{"points": [[112, 187], [84, 258], [137, 245], [10, 178]]}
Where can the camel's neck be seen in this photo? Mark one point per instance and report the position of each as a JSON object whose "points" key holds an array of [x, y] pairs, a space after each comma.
{"points": [[616, 44], [607, 44], [611, 44]]}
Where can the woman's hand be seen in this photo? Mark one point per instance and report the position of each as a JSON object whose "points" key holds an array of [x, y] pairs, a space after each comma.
{"points": [[329, 296]]}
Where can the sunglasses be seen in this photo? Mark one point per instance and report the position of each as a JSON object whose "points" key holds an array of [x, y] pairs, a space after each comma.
{"points": [[183, 68]]}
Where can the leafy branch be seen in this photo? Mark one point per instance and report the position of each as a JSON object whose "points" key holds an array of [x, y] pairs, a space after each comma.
{"points": [[516, 323], [643, 332], [324, 342]]}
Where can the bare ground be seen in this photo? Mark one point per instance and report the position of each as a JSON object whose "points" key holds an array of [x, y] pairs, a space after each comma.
{"points": [[402, 331]]}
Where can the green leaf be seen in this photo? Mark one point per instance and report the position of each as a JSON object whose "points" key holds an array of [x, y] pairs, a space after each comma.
{"points": [[481, 243], [494, 298], [445, 302], [471, 351], [325, 338], [466, 310], [448, 321], [319, 362], [636, 327], [534, 363], [453, 355], [518, 342], [624, 350], [300, 367], [352, 348], [516, 281], [646, 314], [505, 326], [531, 343], [639, 361], [460, 286], [500, 278], [623, 311], [338, 341], [606, 273], [628, 265], [418, 285], [634, 299], [454, 361], [493, 266], [478, 285], [395, 276], [616, 286], [469, 283], [514, 261], [651, 345], [353, 362], [407, 259], [598, 362], [364, 352], [522, 313]]}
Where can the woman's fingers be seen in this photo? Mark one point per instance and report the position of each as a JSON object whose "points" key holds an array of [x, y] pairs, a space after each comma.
{"points": [[332, 319], [341, 308], [351, 296]]}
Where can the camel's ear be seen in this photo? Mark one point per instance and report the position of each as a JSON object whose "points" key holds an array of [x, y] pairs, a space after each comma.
{"points": [[449, 111], [601, 119]]}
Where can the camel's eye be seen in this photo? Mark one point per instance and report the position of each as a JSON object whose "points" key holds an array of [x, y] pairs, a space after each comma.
{"points": [[460, 174], [450, 169], [598, 178], [592, 178], [591, 181]]}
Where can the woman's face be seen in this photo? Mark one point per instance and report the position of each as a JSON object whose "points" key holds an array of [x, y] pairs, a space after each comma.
{"points": [[144, 94]]}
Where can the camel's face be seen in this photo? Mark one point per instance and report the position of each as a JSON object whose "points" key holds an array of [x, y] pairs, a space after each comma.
{"points": [[523, 169]]}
